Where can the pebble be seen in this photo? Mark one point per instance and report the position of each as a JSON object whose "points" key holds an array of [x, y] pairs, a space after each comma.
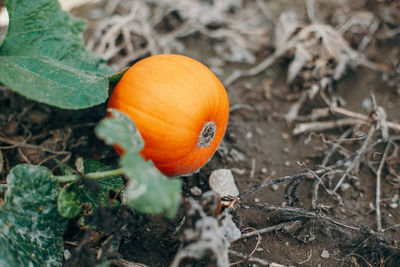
{"points": [[345, 186], [264, 170], [256, 200], [394, 205], [236, 155], [287, 163], [285, 136], [367, 104], [371, 206], [325, 254], [67, 254], [222, 182], [249, 135], [195, 191], [248, 85], [275, 187], [239, 171]]}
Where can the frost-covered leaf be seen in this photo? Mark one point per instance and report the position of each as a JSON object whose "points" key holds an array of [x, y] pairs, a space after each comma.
{"points": [[149, 191], [73, 197], [43, 57], [31, 229], [120, 130]]}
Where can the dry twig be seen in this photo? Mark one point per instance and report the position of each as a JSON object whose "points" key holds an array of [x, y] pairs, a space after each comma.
{"points": [[356, 158], [282, 180], [254, 259], [378, 188], [301, 213], [317, 182], [267, 229]]}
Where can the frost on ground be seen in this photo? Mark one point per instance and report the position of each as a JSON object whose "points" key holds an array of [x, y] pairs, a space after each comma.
{"points": [[209, 238]]}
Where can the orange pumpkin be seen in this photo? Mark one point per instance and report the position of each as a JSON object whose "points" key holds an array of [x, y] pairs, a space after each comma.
{"points": [[180, 108]]}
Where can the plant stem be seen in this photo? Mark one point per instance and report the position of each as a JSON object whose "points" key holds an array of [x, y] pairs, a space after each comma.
{"points": [[92, 175]]}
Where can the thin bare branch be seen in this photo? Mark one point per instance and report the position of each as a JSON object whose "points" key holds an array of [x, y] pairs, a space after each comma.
{"points": [[254, 259], [267, 229], [281, 180], [378, 188], [356, 159]]}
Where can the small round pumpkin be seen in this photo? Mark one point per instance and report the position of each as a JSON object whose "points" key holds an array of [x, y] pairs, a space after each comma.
{"points": [[180, 108]]}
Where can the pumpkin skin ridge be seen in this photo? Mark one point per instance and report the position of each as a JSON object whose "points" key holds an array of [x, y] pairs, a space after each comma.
{"points": [[132, 107], [160, 120], [210, 96], [177, 167], [181, 169], [207, 98], [145, 135], [177, 83], [190, 150], [193, 138]]}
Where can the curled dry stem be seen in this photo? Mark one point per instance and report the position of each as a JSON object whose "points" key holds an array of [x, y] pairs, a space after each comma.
{"points": [[252, 252]]}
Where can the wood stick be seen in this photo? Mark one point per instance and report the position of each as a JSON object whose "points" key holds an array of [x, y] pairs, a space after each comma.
{"points": [[356, 158], [378, 188], [325, 125]]}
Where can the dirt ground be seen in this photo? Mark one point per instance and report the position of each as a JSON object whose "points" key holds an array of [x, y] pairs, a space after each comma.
{"points": [[259, 146]]}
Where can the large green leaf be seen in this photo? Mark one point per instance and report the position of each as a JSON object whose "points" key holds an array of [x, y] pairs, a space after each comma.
{"points": [[31, 229], [43, 57], [148, 190], [73, 197]]}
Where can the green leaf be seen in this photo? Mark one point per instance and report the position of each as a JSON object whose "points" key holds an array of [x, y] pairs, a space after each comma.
{"points": [[68, 202], [65, 169], [120, 130], [43, 57], [31, 229], [74, 196], [117, 76], [149, 191], [115, 183]]}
